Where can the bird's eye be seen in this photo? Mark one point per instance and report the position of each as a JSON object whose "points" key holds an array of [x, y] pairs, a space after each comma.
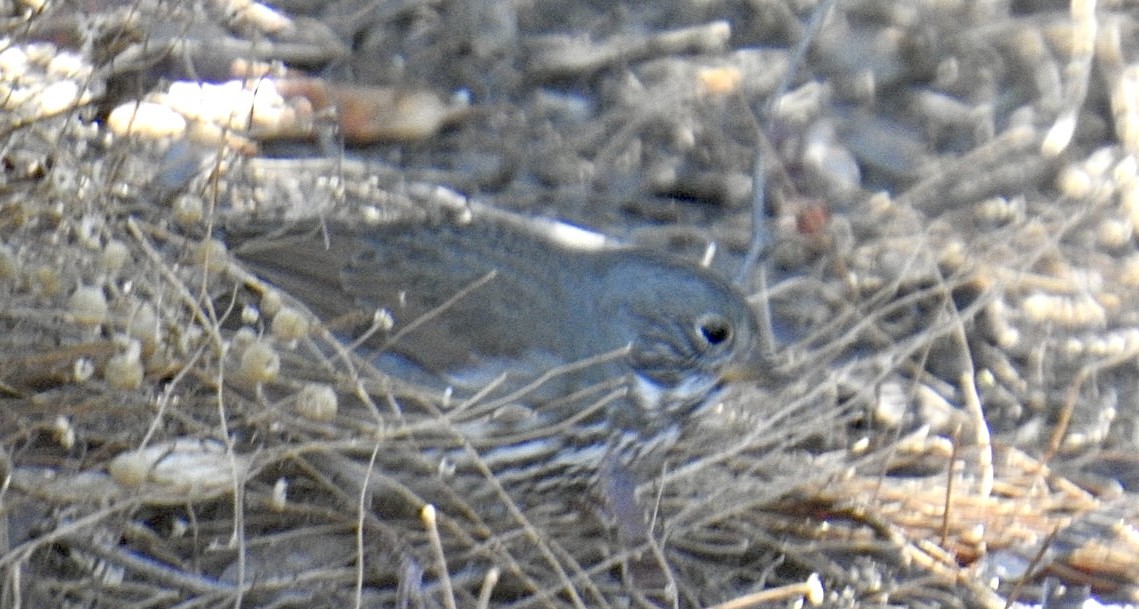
{"points": [[714, 329]]}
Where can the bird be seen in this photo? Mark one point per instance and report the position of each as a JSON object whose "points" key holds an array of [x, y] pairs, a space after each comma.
{"points": [[523, 312]]}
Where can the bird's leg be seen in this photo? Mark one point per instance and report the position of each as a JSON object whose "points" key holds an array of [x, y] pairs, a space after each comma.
{"points": [[618, 488]]}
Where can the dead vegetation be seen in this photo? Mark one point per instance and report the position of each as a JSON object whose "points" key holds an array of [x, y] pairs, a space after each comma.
{"points": [[952, 277]]}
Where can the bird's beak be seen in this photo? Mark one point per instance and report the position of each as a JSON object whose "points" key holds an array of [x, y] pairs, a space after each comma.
{"points": [[755, 366]]}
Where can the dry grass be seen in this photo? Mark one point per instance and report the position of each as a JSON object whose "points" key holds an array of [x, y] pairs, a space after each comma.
{"points": [[953, 423]]}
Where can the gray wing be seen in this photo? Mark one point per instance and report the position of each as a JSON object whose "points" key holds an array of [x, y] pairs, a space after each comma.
{"points": [[468, 305]]}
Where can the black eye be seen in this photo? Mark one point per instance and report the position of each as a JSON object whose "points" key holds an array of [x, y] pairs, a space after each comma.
{"points": [[714, 329]]}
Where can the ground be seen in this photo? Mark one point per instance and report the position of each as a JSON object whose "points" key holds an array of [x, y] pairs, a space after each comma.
{"points": [[948, 196]]}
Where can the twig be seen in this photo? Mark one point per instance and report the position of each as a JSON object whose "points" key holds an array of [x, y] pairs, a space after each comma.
{"points": [[427, 515], [810, 590], [149, 568], [361, 512]]}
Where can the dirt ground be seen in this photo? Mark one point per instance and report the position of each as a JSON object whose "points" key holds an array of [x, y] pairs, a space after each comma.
{"points": [[949, 194]]}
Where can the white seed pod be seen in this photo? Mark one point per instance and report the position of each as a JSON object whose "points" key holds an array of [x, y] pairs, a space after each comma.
{"points": [[88, 231], [259, 363], [87, 306], [188, 338], [13, 60], [188, 209], [189, 469], [115, 256], [370, 215], [891, 404], [1114, 233], [1125, 107], [68, 65], [179, 528], [279, 500], [242, 339], [1074, 182], [212, 253], [985, 379], [289, 325], [83, 369], [60, 96], [270, 302], [143, 325], [125, 370], [317, 402], [383, 320], [250, 314], [1076, 311], [64, 432]]}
